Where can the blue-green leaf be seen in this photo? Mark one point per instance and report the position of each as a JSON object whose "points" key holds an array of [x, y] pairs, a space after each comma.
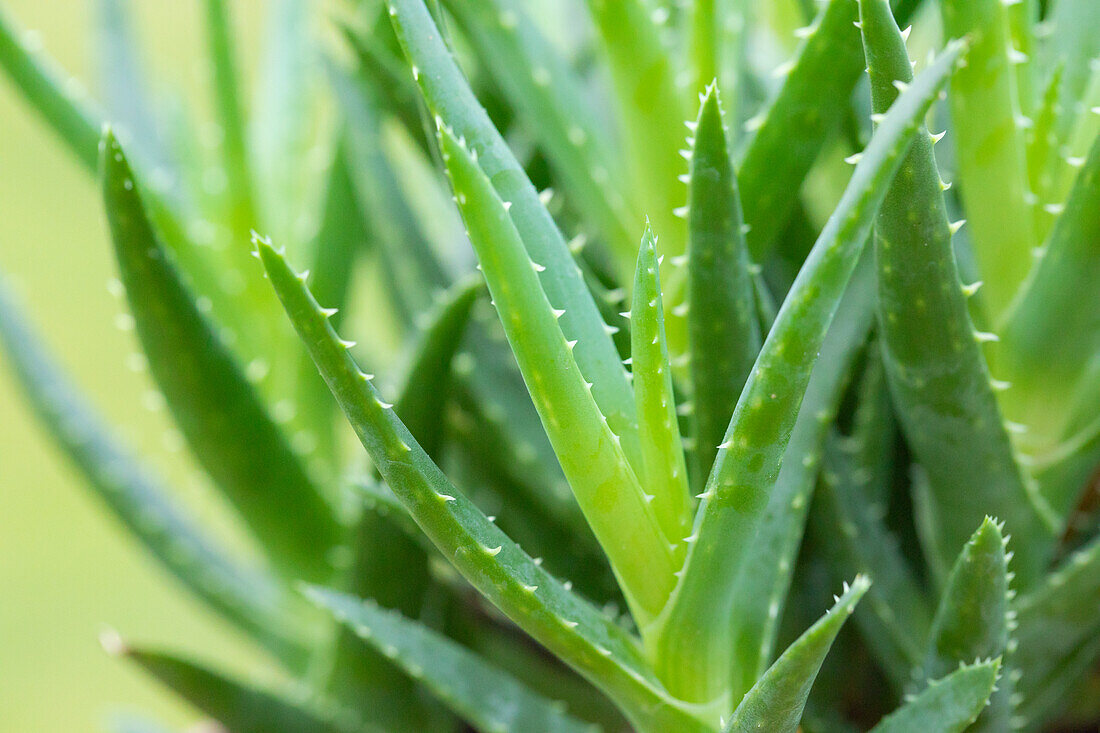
{"points": [[949, 705], [776, 701]]}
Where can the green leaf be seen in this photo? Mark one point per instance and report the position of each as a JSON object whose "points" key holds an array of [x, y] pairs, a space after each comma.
{"points": [[1058, 627], [766, 576], [239, 707], [776, 701], [790, 134], [1044, 153], [973, 618], [230, 115], [590, 453], [249, 598], [448, 95], [664, 470], [1073, 43], [1050, 340], [213, 403], [949, 705], [938, 375], [569, 627], [990, 150], [423, 396], [896, 618], [694, 643], [545, 93], [1023, 17], [853, 497], [50, 92], [484, 695], [651, 110], [723, 329]]}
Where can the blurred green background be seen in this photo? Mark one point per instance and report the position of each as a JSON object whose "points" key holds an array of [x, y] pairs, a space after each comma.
{"points": [[66, 572]]}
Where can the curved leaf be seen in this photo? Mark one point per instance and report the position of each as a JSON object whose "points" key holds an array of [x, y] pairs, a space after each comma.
{"points": [[569, 627], [448, 95], [938, 375], [723, 329], [776, 701], [484, 695], [213, 403], [664, 470], [949, 705], [694, 643]]}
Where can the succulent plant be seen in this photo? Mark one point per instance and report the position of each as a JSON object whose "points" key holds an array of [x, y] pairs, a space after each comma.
{"points": [[615, 491]]}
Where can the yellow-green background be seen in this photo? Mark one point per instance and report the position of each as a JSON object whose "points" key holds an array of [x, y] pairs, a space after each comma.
{"points": [[66, 571]]}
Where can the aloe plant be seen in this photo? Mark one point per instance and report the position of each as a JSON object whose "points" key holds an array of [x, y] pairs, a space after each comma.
{"points": [[605, 483]]}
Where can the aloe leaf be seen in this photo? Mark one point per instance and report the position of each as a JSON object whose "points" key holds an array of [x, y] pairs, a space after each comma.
{"points": [[568, 626], [1051, 337], [949, 705], [239, 707], [973, 619], [990, 149], [789, 136], [664, 470], [652, 108], [723, 330], [241, 448], [1057, 619], [503, 433], [853, 497], [938, 375], [484, 695], [250, 599], [1023, 17], [776, 701], [590, 453], [896, 618], [423, 395], [448, 95], [51, 92], [1073, 43], [1043, 153], [766, 577], [389, 564], [543, 90], [694, 640], [1065, 471], [230, 116]]}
